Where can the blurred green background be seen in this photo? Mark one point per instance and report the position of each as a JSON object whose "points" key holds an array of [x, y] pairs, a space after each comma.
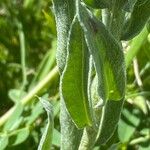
{"points": [[27, 55]]}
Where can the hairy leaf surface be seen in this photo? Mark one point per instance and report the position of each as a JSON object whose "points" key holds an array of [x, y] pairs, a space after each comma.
{"points": [[64, 13], [109, 120], [74, 78], [139, 17], [107, 56]]}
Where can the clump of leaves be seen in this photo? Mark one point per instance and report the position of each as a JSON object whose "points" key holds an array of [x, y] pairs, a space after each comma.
{"points": [[85, 35], [94, 58]]}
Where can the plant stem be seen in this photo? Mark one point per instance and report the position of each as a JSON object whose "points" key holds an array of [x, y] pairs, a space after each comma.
{"points": [[137, 73], [36, 90]]}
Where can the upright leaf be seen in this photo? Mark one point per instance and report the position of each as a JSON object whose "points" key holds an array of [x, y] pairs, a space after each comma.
{"points": [[109, 64], [139, 17], [135, 46], [70, 135], [107, 56], [46, 140], [106, 116], [64, 13], [117, 18], [74, 78], [109, 120], [37, 110]]}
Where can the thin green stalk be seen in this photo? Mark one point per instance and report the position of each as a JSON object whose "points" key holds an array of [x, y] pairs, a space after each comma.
{"points": [[36, 90], [50, 61], [45, 66], [23, 55]]}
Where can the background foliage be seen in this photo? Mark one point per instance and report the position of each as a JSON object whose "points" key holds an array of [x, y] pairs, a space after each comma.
{"points": [[27, 55]]}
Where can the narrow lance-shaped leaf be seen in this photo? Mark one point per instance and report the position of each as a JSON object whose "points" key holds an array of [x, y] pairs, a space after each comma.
{"points": [[74, 78], [46, 140], [107, 116], [70, 134], [107, 56], [117, 18], [64, 13], [109, 120], [139, 17]]}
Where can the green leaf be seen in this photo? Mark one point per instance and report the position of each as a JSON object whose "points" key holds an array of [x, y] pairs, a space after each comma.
{"points": [[56, 138], [36, 111], [107, 56], [64, 13], [127, 126], [19, 136], [129, 5], [109, 120], [14, 117], [74, 78], [115, 146], [135, 46], [138, 19], [98, 3], [70, 135], [3, 142], [117, 18], [140, 102], [51, 21], [148, 25], [15, 95], [46, 140]]}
